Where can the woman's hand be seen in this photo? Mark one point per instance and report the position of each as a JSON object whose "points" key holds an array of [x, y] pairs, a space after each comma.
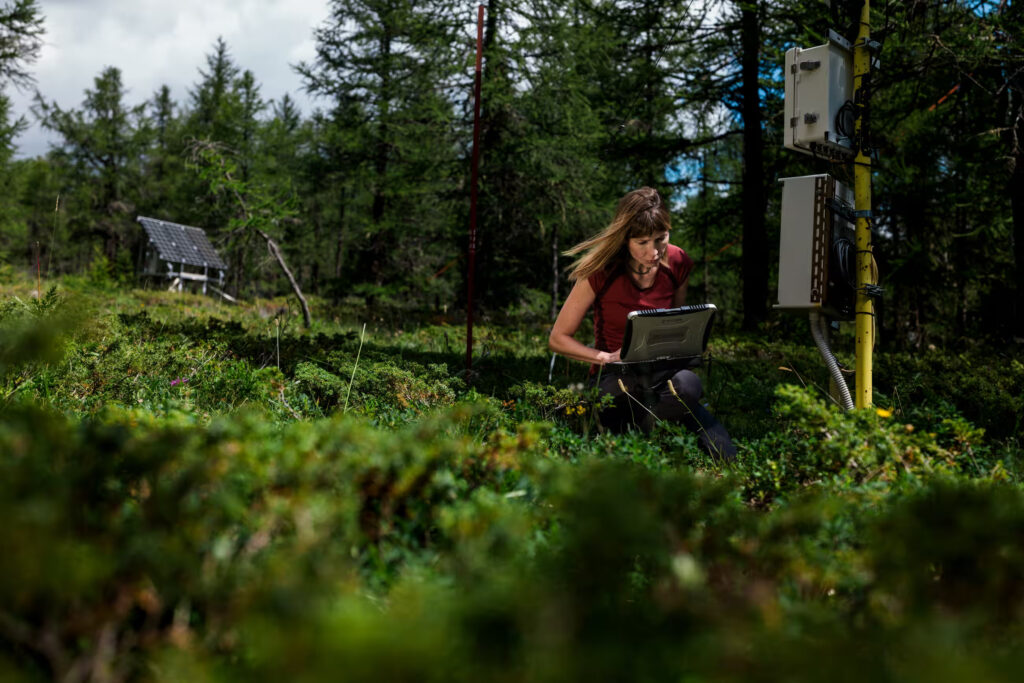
{"points": [[606, 357]]}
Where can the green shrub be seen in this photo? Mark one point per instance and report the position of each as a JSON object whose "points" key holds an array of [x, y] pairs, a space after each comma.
{"points": [[954, 549], [32, 333], [179, 508], [985, 386], [374, 387], [170, 530], [818, 444]]}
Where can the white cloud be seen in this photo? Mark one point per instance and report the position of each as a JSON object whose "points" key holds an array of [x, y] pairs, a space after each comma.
{"points": [[155, 42]]}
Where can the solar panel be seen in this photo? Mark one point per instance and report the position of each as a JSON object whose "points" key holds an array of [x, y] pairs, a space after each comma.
{"points": [[181, 243]]}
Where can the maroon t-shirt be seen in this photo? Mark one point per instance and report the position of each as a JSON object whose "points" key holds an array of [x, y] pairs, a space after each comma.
{"points": [[617, 295]]}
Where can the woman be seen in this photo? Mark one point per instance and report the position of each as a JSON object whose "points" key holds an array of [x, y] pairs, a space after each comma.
{"points": [[628, 266]]}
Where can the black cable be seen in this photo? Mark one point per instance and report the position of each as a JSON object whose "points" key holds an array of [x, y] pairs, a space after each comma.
{"points": [[845, 121], [843, 249]]}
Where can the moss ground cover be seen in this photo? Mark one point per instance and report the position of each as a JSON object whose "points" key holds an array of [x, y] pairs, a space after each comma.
{"points": [[199, 492]]}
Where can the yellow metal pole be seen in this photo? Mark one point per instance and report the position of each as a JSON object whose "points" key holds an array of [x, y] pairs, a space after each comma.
{"points": [[865, 328]]}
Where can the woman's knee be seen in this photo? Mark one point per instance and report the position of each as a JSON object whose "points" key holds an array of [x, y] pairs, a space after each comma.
{"points": [[687, 386]]}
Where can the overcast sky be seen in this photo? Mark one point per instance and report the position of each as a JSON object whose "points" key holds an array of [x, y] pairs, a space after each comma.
{"points": [[157, 42]]}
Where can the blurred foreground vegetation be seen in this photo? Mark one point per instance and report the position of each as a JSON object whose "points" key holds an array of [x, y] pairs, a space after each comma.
{"points": [[197, 492]]}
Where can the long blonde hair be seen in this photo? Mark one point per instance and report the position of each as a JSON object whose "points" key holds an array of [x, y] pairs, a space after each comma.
{"points": [[640, 213]]}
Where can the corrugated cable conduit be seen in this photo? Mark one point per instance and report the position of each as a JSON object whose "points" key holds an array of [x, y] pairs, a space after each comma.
{"points": [[818, 332]]}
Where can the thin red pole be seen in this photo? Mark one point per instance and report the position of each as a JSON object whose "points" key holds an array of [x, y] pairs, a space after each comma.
{"points": [[473, 184]]}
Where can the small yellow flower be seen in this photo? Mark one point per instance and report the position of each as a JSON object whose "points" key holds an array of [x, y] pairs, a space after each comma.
{"points": [[882, 412]]}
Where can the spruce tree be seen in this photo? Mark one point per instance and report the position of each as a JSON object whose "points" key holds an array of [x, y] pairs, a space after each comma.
{"points": [[388, 71], [99, 152]]}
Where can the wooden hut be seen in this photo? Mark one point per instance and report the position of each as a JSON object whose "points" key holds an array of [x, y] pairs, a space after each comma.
{"points": [[181, 254]]}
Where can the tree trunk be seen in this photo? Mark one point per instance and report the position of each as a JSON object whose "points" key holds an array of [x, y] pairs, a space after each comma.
{"points": [[383, 111], [1012, 99], [704, 226], [380, 243], [276, 253], [315, 268], [1017, 204], [494, 221], [554, 270], [755, 257], [339, 248]]}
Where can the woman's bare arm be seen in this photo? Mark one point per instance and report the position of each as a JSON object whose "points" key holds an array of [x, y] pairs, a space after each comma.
{"points": [[562, 341], [679, 298]]}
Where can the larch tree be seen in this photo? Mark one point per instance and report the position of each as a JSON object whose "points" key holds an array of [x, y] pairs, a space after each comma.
{"points": [[389, 69], [99, 150]]}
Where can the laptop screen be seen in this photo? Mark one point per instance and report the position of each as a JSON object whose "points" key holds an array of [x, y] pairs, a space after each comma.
{"points": [[667, 333]]}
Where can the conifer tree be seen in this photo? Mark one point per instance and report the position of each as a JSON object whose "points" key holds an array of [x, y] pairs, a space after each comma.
{"points": [[386, 68], [223, 111], [164, 164], [21, 38], [100, 151]]}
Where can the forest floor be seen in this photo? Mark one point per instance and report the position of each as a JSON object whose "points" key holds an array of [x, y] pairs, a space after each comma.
{"points": [[205, 491]]}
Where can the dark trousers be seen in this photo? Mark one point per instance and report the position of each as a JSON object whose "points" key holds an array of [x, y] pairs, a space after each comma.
{"points": [[651, 389]]}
